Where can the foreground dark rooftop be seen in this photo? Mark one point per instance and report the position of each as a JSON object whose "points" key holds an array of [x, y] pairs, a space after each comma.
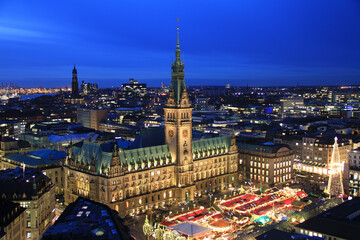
{"points": [[20, 184], [87, 220], [342, 221], [9, 211]]}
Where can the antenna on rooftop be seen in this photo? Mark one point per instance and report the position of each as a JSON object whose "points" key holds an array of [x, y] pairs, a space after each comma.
{"points": [[23, 165]]}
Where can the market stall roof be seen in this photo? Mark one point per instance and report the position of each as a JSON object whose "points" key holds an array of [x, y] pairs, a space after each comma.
{"points": [[220, 223], [190, 229]]}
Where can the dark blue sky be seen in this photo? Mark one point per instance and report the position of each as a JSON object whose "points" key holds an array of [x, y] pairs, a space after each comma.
{"points": [[256, 42]]}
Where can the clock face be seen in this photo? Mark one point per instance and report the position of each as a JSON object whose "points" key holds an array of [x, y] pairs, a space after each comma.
{"points": [[171, 133], [185, 133]]}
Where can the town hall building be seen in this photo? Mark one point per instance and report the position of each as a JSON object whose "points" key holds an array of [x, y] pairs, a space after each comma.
{"points": [[138, 179]]}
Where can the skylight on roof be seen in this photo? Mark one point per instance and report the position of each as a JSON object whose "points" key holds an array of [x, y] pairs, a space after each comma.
{"points": [[79, 214]]}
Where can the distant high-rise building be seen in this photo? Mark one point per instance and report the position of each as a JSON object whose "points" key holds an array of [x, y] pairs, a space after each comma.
{"points": [[91, 118], [291, 103], [74, 84], [201, 103], [88, 88], [134, 89]]}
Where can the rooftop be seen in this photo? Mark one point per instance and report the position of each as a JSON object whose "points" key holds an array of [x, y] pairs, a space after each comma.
{"points": [[17, 184], [29, 160], [9, 211], [190, 229], [48, 154], [86, 219], [274, 234], [257, 146], [342, 221]]}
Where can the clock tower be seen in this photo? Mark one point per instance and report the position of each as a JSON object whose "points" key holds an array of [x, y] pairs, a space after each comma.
{"points": [[178, 129]]}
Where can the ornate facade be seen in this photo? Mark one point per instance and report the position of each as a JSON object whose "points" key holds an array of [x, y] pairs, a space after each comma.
{"points": [[135, 180]]}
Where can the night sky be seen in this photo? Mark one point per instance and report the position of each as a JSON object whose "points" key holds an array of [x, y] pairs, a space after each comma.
{"points": [[241, 42]]}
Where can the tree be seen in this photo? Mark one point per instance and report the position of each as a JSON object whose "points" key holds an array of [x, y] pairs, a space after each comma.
{"points": [[147, 228], [159, 233], [168, 235]]}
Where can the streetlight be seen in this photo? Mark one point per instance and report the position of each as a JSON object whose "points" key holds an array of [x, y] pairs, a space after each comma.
{"points": [[210, 195]]}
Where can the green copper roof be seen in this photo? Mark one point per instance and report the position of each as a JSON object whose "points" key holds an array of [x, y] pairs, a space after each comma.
{"points": [[144, 156], [178, 88], [102, 155], [93, 151], [210, 147]]}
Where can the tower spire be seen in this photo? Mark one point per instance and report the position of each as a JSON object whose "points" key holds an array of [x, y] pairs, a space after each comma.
{"points": [[74, 84], [177, 75], [178, 41], [177, 51]]}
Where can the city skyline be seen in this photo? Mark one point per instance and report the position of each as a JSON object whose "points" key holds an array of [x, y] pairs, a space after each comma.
{"points": [[241, 43]]}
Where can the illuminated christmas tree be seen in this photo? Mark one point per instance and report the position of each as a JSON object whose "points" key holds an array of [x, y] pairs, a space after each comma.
{"points": [[335, 184]]}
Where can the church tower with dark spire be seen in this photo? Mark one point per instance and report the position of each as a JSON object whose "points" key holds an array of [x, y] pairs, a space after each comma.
{"points": [[178, 129], [75, 83]]}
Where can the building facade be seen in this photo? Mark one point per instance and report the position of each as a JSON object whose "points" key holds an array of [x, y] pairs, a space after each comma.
{"points": [[91, 118], [52, 168], [319, 149], [267, 164], [135, 180], [317, 152], [12, 221], [354, 172], [33, 191]]}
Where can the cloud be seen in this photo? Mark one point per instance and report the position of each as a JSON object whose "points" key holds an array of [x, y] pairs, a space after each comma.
{"points": [[23, 35]]}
